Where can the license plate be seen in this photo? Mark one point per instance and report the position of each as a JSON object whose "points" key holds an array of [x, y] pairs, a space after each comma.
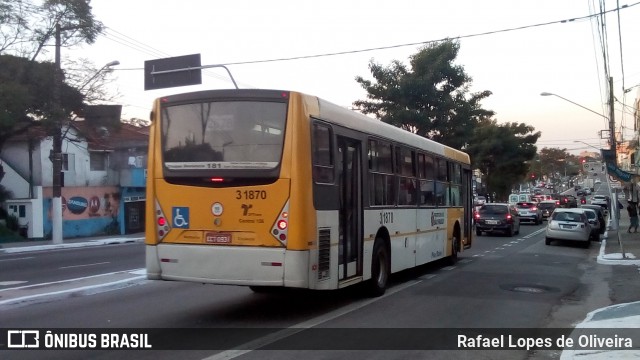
{"points": [[218, 238], [567, 226], [492, 222]]}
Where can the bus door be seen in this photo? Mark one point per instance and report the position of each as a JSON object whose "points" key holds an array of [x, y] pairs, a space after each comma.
{"points": [[467, 204], [350, 228]]}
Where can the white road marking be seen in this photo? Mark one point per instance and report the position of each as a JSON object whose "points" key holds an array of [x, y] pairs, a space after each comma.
{"points": [[9, 283], [22, 258], [282, 334], [76, 266]]}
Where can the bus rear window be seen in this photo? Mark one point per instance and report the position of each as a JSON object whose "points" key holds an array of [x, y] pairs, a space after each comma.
{"points": [[223, 135]]}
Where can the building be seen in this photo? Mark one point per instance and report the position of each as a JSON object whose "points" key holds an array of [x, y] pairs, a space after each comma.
{"points": [[103, 179]]}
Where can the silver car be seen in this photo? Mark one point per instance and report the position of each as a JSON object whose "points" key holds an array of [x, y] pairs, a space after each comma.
{"points": [[568, 224], [592, 218]]}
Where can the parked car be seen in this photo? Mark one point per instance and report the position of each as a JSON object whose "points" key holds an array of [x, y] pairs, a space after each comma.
{"points": [[568, 201], [592, 218], [529, 211], [600, 200], [547, 207], [479, 200], [497, 217], [602, 216], [568, 224]]}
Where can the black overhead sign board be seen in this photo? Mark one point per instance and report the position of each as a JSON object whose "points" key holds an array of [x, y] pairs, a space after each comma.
{"points": [[171, 72]]}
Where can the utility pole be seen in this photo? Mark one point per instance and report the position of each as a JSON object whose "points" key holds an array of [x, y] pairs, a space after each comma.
{"points": [[56, 152], [612, 123]]}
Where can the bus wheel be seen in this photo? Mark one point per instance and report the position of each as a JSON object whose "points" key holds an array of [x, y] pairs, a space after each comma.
{"points": [[380, 269], [455, 249]]}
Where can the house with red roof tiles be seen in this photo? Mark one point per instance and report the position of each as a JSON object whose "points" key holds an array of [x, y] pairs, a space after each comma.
{"points": [[103, 179]]}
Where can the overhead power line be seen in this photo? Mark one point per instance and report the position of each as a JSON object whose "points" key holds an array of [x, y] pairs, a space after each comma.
{"points": [[433, 41]]}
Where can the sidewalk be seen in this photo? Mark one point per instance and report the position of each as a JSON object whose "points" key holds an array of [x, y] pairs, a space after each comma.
{"points": [[27, 245], [620, 247]]}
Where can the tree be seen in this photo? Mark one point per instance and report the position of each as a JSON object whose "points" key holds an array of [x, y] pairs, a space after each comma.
{"points": [[431, 98], [501, 152], [26, 95], [26, 86], [555, 162]]}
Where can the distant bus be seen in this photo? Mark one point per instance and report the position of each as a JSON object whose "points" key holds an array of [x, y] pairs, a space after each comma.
{"points": [[267, 188]]}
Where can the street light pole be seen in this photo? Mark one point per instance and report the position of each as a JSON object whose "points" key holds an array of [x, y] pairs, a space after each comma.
{"points": [[107, 65], [612, 125], [574, 103], [56, 153], [579, 141]]}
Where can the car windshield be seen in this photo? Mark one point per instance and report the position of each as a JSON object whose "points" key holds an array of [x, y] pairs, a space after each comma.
{"points": [[493, 209], [590, 214], [547, 205], [568, 216]]}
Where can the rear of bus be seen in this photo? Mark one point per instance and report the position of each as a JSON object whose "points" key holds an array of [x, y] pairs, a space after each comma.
{"points": [[227, 189]]}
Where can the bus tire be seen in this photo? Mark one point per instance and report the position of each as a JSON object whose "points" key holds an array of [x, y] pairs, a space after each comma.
{"points": [[380, 269], [455, 249]]}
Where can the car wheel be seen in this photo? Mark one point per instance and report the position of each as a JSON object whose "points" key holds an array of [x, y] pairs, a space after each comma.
{"points": [[478, 232], [547, 241], [510, 231], [586, 244]]}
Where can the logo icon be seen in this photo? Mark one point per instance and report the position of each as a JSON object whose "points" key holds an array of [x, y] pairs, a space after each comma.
{"points": [[245, 209], [22, 339], [180, 217]]}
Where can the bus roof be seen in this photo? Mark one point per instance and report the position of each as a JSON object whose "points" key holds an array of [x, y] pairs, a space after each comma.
{"points": [[345, 117]]}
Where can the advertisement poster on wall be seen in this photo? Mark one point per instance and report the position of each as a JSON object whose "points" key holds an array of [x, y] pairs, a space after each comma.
{"points": [[80, 203]]}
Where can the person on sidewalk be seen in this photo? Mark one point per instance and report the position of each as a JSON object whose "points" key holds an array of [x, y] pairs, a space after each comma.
{"points": [[632, 209]]}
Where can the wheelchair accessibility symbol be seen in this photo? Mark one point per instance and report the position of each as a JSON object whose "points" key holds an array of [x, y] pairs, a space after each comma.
{"points": [[180, 217]]}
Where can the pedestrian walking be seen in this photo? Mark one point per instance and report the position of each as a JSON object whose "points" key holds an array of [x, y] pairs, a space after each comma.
{"points": [[632, 209]]}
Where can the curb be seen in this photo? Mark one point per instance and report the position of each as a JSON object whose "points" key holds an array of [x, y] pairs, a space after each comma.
{"points": [[21, 249]]}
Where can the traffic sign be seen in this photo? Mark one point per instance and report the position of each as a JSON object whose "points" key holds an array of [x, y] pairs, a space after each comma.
{"points": [[174, 71]]}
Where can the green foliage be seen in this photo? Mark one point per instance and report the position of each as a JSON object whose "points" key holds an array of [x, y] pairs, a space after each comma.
{"points": [[430, 98], [501, 152], [4, 196], [12, 223], [27, 28], [551, 161], [26, 95]]}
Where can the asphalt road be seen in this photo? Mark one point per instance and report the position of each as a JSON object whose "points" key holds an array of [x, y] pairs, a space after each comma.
{"points": [[47, 266], [502, 282]]}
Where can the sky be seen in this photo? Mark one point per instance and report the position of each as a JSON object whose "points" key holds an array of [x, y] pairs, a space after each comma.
{"points": [[515, 49]]}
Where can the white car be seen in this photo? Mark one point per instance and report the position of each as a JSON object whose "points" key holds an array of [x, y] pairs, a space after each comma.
{"points": [[568, 224], [600, 200], [479, 200]]}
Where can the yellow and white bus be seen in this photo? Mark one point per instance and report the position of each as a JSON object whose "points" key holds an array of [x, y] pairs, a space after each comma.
{"points": [[268, 188]]}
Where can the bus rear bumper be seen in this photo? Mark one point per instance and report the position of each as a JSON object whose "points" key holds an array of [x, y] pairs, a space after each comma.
{"points": [[228, 265]]}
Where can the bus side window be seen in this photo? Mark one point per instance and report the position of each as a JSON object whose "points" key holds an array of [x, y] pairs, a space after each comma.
{"points": [[323, 164]]}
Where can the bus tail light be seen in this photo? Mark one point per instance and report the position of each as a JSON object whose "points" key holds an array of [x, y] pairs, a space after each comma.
{"points": [[280, 229], [162, 225]]}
